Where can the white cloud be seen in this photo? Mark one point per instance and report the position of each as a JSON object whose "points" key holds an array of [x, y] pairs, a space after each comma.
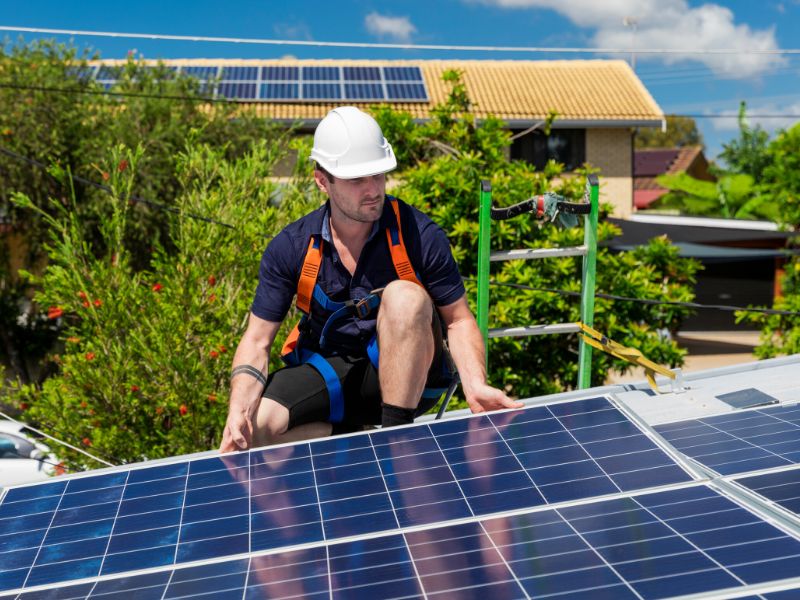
{"points": [[293, 31], [398, 28], [668, 24]]}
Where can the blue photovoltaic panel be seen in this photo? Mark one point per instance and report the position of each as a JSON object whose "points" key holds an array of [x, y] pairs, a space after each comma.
{"points": [[361, 73], [239, 73], [657, 545], [402, 74], [322, 91], [781, 487], [363, 91], [201, 72], [82, 73], [279, 91], [237, 91], [405, 91], [328, 489], [279, 73], [740, 442], [321, 74]]}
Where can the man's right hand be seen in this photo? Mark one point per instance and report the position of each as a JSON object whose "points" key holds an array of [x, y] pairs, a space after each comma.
{"points": [[238, 432]]}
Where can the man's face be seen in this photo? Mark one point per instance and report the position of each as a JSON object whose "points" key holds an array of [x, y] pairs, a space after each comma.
{"points": [[358, 199]]}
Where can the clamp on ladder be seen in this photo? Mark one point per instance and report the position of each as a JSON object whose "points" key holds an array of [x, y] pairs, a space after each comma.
{"points": [[556, 209]]}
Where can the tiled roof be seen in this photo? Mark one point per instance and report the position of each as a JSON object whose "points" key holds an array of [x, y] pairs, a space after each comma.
{"points": [[599, 92], [651, 162]]}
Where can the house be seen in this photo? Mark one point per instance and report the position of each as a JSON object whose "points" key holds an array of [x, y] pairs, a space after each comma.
{"points": [[599, 103], [649, 163]]}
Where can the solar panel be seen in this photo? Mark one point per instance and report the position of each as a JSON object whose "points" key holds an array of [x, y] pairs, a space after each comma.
{"points": [[237, 90], [405, 91], [239, 73], [653, 545], [308, 493], [279, 91], [740, 442], [781, 487], [203, 72], [322, 91], [279, 73], [321, 74], [403, 74]]}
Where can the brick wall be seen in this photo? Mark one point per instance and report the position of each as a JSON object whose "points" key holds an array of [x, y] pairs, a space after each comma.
{"points": [[610, 151]]}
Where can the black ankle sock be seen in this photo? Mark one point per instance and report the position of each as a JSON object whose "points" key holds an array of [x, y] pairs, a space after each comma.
{"points": [[396, 415]]}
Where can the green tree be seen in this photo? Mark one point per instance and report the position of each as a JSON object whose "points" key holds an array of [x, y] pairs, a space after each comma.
{"points": [[748, 153], [681, 131], [780, 183], [732, 196], [145, 354], [51, 114]]}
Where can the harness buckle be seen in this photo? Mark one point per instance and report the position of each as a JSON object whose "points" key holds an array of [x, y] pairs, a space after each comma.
{"points": [[364, 307]]}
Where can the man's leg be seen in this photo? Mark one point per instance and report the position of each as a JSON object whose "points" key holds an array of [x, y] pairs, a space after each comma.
{"points": [[272, 426], [406, 345]]}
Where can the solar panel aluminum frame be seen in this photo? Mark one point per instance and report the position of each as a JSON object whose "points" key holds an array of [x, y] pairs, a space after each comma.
{"points": [[772, 510]]}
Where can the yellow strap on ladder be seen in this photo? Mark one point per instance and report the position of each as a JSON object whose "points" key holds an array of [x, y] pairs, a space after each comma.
{"points": [[597, 340]]}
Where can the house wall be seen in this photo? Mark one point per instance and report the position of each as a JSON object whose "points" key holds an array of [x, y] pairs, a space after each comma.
{"points": [[611, 151]]}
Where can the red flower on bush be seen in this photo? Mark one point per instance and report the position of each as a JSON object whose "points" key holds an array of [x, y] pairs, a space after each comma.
{"points": [[90, 355], [212, 280], [85, 304], [212, 397], [82, 295], [123, 164], [213, 354], [135, 388], [98, 302], [222, 349], [54, 312], [86, 441], [183, 410], [212, 297], [23, 406], [157, 287], [83, 404], [106, 176], [73, 339], [159, 410]]}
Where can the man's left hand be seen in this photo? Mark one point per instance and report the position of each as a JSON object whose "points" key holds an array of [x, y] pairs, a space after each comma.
{"points": [[484, 398]]}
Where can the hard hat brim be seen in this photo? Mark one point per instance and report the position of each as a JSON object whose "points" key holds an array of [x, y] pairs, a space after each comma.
{"points": [[384, 165]]}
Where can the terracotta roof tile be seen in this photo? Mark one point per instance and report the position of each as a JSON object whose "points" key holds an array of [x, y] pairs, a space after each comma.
{"points": [[605, 91]]}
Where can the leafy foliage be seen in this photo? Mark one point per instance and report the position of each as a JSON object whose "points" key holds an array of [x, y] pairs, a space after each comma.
{"points": [[748, 153], [146, 354]]}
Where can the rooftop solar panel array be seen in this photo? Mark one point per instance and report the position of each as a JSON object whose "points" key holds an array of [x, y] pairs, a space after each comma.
{"points": [[740, 442], [294, 83], [654, 545], [565, 500]]}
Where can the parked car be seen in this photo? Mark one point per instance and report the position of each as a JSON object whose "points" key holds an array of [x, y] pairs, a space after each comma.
{"points": [[23, 458]]}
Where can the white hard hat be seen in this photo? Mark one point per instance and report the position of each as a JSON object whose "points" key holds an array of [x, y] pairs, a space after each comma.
{"points": [[349, 143]]}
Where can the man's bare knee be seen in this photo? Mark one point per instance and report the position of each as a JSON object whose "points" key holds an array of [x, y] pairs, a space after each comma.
{"points": [[404, 302], [272, 420]]}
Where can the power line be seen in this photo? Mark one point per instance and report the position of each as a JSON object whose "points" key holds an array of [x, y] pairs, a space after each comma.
{"points": [[277, 42], [249, 102]]}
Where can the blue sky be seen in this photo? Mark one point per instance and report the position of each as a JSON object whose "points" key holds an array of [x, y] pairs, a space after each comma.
{"points": [[695, 84]]}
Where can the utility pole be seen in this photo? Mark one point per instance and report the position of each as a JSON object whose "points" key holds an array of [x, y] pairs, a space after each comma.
{"points": [[633, 23]]}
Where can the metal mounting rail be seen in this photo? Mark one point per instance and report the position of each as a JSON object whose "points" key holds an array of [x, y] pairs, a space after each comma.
{"points": [[534, 253], [534, 330]]}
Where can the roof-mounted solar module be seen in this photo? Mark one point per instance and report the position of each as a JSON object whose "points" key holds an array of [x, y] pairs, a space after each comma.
{"points": [[317, 83]]}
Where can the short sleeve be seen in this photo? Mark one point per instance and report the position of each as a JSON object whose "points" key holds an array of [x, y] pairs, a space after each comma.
{"points": [[277, 279], [439, 271]]}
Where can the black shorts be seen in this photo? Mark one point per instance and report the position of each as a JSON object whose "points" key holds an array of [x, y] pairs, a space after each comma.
{"points": [[302, 389]]}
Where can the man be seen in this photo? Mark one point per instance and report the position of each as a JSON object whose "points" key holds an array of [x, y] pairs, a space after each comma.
{"points": [[362, 253]]}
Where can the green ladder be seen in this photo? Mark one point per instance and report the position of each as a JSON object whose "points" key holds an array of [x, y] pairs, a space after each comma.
{"points": [[589, 252]]}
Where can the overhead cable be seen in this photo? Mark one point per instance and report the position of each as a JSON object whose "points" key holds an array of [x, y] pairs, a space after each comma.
{"points": [[466, 48]]}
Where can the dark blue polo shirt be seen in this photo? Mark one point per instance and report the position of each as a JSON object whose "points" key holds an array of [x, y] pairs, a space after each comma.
{"points": [[427, 247]]}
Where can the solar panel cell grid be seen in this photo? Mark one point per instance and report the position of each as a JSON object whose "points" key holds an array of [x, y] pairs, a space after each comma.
{"points": [[240, 73], [361, 73], [237, 91], [206, 72], [279, 91], [321, 74], [322, 91], [740, 442], [325, 490], [279, 73], [402, 73]]}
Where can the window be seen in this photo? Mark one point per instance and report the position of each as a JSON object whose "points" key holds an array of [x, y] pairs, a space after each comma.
{"points": [[12, 446], [567, 146]]}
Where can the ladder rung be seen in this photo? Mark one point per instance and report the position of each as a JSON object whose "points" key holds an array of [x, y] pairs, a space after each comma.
{"points": [[529, 253], [534, 330]]}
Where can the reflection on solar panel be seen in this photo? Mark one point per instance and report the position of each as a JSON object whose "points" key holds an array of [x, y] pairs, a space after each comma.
{"points": [[296, 84], [323, 491], [740, 442], [653, 545]]}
